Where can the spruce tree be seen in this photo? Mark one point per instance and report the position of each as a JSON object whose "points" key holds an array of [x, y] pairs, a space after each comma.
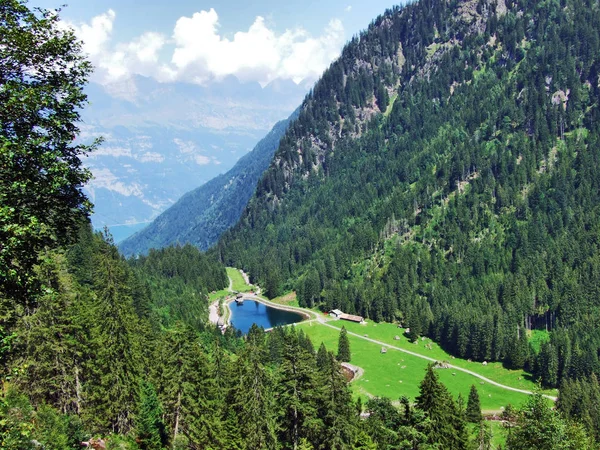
{"points": [[297, 391], [111, 389], [343, 353], [322, 357], [149, 425], [473, 406], [447, 427]]}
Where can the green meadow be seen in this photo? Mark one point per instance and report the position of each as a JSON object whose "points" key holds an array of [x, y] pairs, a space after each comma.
{"points": [[239, 284], [394, 374]]}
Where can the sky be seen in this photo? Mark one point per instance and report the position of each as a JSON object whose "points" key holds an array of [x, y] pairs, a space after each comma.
{"points": [[201, 41]]}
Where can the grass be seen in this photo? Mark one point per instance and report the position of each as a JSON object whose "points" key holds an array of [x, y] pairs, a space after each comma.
{"points": [[385, 332], [239, 284], [537, 338], [499, 433], [218, 295], [390, 105], [394, 373], [288, 299]]}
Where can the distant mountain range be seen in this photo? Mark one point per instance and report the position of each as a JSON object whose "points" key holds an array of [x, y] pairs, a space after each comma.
{"points": [[202, 215], [162, 140]]}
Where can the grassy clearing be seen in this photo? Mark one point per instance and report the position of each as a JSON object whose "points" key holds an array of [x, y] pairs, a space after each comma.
{"points": [[218, 295], [239, 284], [394, 373], [386, 332], [288, 299], [537, 338], [390, 105]]}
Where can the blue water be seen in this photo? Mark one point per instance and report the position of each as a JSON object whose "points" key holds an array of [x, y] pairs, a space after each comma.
{"points": [[243, 316], [120, 232]]}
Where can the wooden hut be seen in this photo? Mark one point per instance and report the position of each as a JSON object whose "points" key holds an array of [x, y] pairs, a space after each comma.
{"points": [[352, 318]]}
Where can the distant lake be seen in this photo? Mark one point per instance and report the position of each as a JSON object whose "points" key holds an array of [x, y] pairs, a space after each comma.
{"points": [[243, 316], [120, 232]]}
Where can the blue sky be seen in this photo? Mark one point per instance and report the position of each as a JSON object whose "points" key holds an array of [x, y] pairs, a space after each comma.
{"points": [[199, 41]]}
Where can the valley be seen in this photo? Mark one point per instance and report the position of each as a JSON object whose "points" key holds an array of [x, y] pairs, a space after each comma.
{"points": [[431, 209], [398, 372]]}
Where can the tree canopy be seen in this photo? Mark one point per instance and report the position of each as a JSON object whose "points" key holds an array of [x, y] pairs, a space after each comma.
{"points": [[42, 75]]}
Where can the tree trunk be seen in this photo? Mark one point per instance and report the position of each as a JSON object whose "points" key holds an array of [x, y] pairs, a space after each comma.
{"points": [[176, 431]]}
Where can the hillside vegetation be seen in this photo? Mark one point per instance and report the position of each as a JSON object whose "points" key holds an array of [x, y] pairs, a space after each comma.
{"points": [[469, 210]]}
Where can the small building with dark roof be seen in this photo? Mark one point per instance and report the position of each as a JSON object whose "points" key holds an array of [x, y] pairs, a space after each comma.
{"points": [[352, 318], [335, 313]]}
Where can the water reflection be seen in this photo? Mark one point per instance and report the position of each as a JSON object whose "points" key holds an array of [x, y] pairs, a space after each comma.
{"points": [[244, 315]]}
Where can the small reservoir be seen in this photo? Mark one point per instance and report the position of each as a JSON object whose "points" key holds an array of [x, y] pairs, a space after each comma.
{"points": [[243, 315]]}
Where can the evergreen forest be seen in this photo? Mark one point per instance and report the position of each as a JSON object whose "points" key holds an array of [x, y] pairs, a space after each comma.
{"points": [[442, 174]]}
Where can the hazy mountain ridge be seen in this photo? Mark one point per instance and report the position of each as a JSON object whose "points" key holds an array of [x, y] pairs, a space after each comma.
{"points": [[201, 216], [162, 140]]}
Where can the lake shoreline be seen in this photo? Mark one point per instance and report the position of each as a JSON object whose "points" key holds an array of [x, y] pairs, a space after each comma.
{"points": [[252, 297]]}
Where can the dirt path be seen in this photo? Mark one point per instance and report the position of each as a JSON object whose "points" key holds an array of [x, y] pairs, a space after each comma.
{"points": [[213, 308], [450, 366], [320, 319], [213, 312]]}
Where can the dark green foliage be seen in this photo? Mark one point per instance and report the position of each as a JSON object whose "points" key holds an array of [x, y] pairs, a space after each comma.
{"points": [[115, 337], [149, 425], [42, 75], [539, 427], [473, 412], [578, 400], [179, 280], [470, 212], [202, 215], [343, 354], [322, 357], [446, 424]]}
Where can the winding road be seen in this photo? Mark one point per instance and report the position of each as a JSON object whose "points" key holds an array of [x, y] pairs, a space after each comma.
{"points": [[318, 318], [450, 366]]}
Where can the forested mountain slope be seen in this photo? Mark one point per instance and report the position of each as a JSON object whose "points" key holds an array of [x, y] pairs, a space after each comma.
{"points": [[202, 215], [444, 172], [102, 352]]}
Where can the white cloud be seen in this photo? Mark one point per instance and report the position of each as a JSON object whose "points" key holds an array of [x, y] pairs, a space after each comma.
{"points": [[114, 151], [202, 160], [185, 147], [97, 34], [198, 52], [193, 153], [151, 157], [104, 178], [348, 8]]}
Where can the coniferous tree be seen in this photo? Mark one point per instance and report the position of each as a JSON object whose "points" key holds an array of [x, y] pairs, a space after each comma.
{"points": [[252, 399], [150, 428], [322, 357], [447, 427], [336, 409], [540, 427], [473, 412], [298, 391], [111, 389], [343, 353]]}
